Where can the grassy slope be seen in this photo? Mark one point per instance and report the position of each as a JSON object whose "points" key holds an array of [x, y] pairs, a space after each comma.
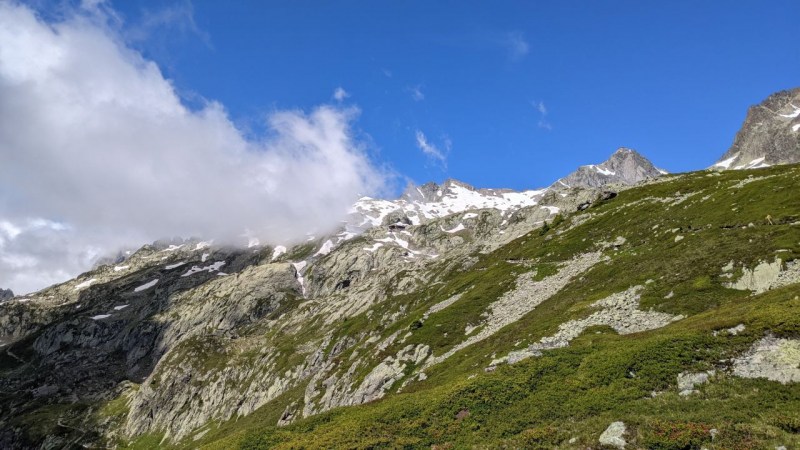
{"points": [[602, 377]]}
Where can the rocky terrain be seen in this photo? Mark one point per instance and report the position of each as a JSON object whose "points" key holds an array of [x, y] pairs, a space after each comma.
{"points": [[645, 310], [770, 134]]}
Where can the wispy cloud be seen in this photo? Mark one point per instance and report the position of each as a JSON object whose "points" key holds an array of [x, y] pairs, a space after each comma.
{"points": [[175, 17], [416, 93], [544, 122], [516, 45], [432, 151], [340, 94], [99, 153]]}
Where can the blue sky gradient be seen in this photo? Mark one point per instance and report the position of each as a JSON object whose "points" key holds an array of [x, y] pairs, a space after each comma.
{"points": [[513, 94]]}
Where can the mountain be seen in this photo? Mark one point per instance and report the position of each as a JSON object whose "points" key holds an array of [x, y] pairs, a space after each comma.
{"points": [[420, 204], [6, 294], [663, 316], [625, 167], [770, 134]]}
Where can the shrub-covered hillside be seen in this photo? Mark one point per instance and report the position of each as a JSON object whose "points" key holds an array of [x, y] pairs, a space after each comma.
{"points": [[705, 379]]}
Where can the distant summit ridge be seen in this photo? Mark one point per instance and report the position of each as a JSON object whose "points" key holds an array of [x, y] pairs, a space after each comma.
{"points": [[770, 134], [625, 166], [430, 200]]}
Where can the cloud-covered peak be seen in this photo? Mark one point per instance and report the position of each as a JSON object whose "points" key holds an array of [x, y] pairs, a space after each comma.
{"points": [[99, 152]]}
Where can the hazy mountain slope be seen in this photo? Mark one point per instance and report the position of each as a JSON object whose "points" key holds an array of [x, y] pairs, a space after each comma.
{"points": [[770, 134]]}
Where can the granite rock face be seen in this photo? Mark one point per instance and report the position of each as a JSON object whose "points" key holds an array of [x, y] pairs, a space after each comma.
{"points": [[770, 134], [625, 167]]}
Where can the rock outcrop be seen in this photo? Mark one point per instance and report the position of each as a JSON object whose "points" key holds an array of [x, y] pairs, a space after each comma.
{"points": [[619, 311], [6, 294], [771, 358], [614, 435], [770, 134]]}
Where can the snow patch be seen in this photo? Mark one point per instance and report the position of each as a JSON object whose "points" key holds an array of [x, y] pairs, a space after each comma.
{"points": [[757, 163], [602, 170], [725, 164], [211, 268], [454, 198], [792, 114], [85, 284], [120, 307], [278, 251], [325, 249], [298, 267], [121, 268], [172, 266], [457, 228], [100, 316], [147, 285], [374, 247]]}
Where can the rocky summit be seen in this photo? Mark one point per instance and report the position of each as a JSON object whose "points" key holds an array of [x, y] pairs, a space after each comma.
{"points": [[622, 307], [770, 134], [625, 167]]}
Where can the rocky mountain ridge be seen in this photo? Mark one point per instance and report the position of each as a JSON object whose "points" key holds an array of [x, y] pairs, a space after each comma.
{"points": [[770, 134], [451, 317]]}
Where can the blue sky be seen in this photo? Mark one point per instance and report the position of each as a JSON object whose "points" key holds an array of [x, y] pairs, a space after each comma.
{"points": [[520, 92], [123, 122]]}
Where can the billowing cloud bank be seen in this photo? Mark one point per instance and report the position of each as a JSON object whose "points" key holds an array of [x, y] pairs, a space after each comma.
{"points": [[98, 152]]}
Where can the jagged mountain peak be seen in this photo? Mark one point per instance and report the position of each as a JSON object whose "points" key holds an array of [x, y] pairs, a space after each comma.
{"points": [[432, 191], [770, 134], [624, 166], [6, 294]]}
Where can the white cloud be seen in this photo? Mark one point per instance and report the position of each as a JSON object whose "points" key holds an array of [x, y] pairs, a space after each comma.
{"points": [[431, 150], [340, 94], [416, 93], [543, 123], [517, 45], [99, 153], [541, 108]]}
